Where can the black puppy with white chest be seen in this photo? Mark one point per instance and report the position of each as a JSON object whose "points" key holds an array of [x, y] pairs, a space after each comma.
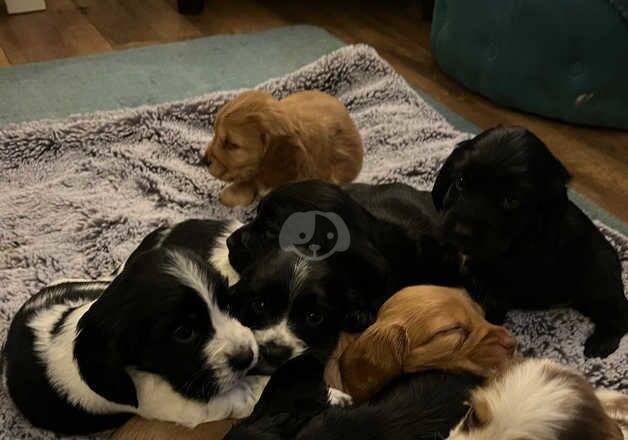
{"points": [[522, 242]]}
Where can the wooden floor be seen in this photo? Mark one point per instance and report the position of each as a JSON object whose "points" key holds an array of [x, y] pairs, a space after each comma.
{"points": [[598, 158]]}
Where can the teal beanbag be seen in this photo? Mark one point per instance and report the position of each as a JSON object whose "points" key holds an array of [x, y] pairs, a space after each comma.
{"points": [[566, 59]]}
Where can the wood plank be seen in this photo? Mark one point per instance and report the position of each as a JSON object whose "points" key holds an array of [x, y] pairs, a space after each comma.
{"points": [[4, 61], [235, 16], [115, 23], [58, 32], [137, 23]]}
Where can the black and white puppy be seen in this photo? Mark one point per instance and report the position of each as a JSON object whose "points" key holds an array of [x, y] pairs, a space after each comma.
{"points": [[423, 406], [81, 357], [523, 243], [384, 251], [292, 305]]}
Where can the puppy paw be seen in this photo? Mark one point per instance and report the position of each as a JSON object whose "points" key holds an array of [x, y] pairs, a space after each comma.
{"points": [[257, 385], [238, 194], [335, 397], [252, 389], [601, 344]]}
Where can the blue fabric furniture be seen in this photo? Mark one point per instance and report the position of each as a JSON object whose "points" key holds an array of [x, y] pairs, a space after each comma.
{"points": [[566, 59]]}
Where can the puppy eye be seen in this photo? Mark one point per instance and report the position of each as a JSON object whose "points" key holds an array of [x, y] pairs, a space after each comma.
{"points": [[231, 146], [258, 306], [459, 182], [314, 319], [184, 334], [510, 203]]}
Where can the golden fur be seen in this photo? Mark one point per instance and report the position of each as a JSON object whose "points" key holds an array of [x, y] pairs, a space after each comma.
{"points": [[537, 399], [139, 428], [261, 142], [420, 328]]}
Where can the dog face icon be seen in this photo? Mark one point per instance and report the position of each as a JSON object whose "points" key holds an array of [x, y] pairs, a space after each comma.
{"points": [[314, 235]]}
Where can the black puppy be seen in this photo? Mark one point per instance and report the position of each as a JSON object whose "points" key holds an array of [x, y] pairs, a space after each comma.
{"points": [[523, 243], [390, 241], [423, 406]]}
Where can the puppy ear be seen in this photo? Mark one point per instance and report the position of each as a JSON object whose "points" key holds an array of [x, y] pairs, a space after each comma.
{"points": [[375, 359], [445, 175], [101, 364], [285, 156], [367, 279]]}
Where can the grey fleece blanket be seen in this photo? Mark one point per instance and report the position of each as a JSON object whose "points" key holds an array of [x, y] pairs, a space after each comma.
{"points": [[78, 194]]}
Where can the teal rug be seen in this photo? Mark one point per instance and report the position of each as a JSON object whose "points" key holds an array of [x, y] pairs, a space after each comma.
{"points": [[170, 72]]}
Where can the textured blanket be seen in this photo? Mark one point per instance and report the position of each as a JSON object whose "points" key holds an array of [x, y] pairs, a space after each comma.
{"points": [[78, 194]]}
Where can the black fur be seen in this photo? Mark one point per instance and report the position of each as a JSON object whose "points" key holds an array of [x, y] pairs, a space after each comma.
{"points": [[316, 309], [25, 373], [393, 231], [525, 245], [136, 321], [422, 406]]}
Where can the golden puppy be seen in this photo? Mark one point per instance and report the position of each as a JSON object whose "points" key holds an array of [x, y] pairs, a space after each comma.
{"points": [[139, 428], [420, 328], [538, 399], [260, 143]]}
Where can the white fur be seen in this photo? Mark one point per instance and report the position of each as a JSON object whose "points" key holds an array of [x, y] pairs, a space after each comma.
{"points": [[525, 403], [157, 400], [156, 397], [281, 334], [230, 336], [616, 406], [57, 352], [299, 273], [56, 290], [335, 397], [219, 257]]}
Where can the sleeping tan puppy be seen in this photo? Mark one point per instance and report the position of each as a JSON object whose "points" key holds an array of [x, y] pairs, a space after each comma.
{"points": [[538, 399], [260, 143], [420, 328]]}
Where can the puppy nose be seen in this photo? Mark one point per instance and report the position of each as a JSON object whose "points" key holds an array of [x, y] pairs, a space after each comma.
{"points": [[242, 359], [275, 354], [314, 247]]}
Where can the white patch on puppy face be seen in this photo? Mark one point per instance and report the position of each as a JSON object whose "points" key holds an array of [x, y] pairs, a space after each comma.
{"points": [[230, 337], [219, 257], [282, 335], [299, 273], [527, 402]]}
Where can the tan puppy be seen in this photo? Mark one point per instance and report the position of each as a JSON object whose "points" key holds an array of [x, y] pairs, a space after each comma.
{"points": [[420, 328], [537, 399], [260, 143], [142, 429]]}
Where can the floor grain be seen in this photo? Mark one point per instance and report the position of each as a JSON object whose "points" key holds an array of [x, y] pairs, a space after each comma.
{"points": [[597, 158]]}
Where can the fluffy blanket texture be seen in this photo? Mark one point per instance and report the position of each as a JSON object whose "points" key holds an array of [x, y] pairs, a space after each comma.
{"points": [[78, 194]]}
